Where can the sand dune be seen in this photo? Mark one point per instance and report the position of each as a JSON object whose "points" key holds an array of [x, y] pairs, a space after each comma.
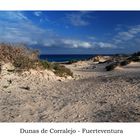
{"points": [[93, 95]]}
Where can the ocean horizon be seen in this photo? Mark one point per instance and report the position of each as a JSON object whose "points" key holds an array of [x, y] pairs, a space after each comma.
{"points": [[68, 57]]}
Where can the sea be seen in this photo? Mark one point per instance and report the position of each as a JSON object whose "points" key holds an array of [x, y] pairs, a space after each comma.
{"points": [[65, 57]]}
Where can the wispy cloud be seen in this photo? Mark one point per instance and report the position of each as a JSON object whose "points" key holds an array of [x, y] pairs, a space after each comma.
{"points": [[73, 43], [91, 37], [15, 16], [123, 36], [79, 18], [105, 45], [68, 43], [77, 43], [16, 27], [38, 13]]}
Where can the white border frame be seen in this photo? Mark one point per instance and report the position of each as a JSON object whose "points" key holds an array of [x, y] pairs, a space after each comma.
{"points": [[69, 4]]}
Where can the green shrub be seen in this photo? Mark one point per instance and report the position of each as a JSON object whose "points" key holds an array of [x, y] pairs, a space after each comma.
{"points": [[61, 70], [46, 64], [58, 69]]}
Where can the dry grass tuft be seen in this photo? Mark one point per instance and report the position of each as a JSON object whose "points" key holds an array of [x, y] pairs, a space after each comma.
{"points": [[24, 58]]}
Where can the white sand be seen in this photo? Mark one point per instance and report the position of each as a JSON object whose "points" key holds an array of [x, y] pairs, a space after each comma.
{"points": [[94, 95]]}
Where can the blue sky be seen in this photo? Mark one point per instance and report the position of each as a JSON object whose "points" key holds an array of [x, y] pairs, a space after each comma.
{"points": [[73, 32]]}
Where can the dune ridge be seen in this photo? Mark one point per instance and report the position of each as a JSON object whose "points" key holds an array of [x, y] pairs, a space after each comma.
{"points": [[92, 95]]}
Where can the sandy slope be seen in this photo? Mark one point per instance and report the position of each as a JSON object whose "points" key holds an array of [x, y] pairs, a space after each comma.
{"points": [[93, 96]]}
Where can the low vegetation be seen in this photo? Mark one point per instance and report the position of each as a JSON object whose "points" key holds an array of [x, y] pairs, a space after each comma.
{"points": [[21, 57], [112, 66], [72, 61], [11, 52], [61, 70], [24, 58], [135, 57], [123, 61], [136, 54], [46, 65], [58, 69]]}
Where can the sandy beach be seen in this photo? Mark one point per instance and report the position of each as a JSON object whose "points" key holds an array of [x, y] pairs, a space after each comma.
{"points": [[92, 95]]}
